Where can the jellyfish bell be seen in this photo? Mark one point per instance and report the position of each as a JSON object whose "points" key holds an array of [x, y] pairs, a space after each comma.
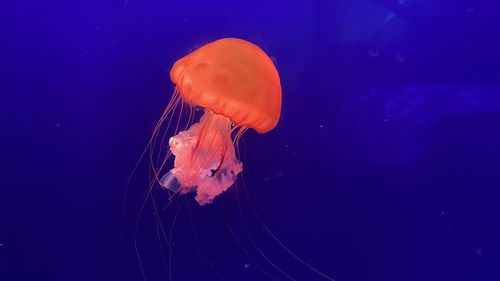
{"points": [[238, 86], [234, 78]]}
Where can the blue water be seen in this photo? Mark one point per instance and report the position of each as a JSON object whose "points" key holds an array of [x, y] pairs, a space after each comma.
{"points": [[384, 166]]}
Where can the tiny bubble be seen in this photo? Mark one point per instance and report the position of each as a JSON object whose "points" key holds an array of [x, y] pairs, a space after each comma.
{"points": [[321, 126], [373, 53], [1, 244], [385, 119], [246, 265], [479, 252], [442, 212], [58, 125], [400, 58]]}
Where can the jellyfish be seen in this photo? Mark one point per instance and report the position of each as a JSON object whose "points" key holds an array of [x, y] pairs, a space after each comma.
{"points": [[238, 87]]}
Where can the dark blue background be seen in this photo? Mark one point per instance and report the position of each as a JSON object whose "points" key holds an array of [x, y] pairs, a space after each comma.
{"points": [[384, 166]]}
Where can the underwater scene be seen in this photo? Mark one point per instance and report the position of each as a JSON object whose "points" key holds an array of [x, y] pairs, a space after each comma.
{"points": [[250, 140]]}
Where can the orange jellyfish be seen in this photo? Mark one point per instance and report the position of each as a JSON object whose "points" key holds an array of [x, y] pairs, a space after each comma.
{"points": [[238, 87]]}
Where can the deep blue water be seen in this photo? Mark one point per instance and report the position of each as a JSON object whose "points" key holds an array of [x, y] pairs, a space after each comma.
{"points": [[385, 164]]}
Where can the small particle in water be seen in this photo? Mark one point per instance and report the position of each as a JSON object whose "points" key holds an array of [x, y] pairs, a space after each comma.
{"points": [[386, 120], [442, 213], [1, 244], [469, 10], [400, 58], [273, 176], [58, 125], [373, 53], [479, 252], [321, 126], [185, 19], [246, 265]]}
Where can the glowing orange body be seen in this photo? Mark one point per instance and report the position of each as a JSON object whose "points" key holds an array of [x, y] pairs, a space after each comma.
{"points": [[234, 78]]}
